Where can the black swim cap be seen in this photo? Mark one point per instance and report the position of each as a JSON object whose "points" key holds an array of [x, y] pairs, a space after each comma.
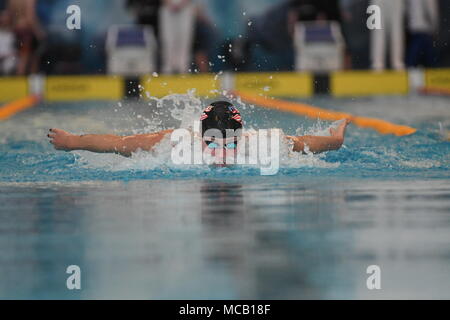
{"points": [[221, 115]]}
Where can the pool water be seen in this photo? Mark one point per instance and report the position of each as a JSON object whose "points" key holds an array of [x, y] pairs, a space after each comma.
{"points": [[142, 228]]}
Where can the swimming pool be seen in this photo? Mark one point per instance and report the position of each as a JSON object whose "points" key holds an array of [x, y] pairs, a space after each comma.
{"points": [[141, 228]]}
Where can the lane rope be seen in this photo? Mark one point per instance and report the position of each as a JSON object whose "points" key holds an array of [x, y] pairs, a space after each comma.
{"points": [[434, 91], [381, 126], [11, 108]]}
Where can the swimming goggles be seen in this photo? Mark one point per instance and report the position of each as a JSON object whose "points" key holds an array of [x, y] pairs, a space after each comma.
{"points": [[214, 145]]}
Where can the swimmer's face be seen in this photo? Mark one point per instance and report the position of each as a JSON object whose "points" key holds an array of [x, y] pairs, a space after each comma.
{"points": [[222, 150]]}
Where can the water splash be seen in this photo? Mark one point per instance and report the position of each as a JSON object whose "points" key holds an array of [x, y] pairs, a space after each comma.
{"points": [[26, 155]]}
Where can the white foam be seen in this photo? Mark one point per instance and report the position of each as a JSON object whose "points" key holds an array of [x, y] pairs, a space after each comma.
{"points": [[426, 164]]}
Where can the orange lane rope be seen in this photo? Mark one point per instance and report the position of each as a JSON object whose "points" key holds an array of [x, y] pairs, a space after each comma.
{"points": [[381, 126], [11, 108], [435, 91]]}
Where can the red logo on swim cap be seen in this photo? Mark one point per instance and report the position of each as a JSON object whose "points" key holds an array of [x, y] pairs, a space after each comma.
{"points": [[237, 117], [233, 109]]}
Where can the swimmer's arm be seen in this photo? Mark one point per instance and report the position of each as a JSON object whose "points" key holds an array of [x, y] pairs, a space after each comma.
{"points": [[316, 144], [105, 143]]}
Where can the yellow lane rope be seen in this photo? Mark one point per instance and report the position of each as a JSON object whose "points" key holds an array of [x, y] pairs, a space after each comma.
{"points": [[11, 108], [381, 126]]}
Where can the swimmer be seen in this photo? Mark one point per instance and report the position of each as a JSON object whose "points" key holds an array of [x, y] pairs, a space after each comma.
{"points": [[220, 115]]}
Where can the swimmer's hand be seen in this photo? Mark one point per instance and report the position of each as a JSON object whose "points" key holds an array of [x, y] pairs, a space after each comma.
{"points": [[62, 140], [317, 144], [339, 132]]}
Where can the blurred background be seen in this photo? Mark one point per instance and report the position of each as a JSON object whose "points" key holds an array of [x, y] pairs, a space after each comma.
{"points": [[194, 36]]}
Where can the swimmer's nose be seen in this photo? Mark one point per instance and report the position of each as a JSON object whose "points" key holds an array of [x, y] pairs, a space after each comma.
{"points": [[219, 155]]}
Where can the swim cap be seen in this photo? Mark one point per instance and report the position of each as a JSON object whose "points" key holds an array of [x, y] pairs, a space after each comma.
{"points": [[221, 115]]}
